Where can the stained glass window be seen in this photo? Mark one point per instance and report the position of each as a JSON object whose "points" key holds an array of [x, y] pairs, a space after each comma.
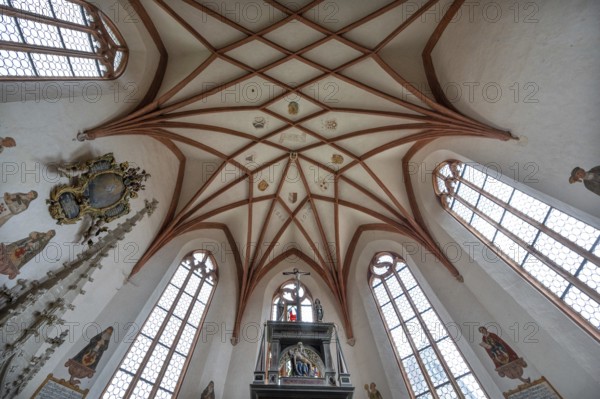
{"points": [[558, 253], [156, 361], [58, 39], [285, 298], [429, 360]]}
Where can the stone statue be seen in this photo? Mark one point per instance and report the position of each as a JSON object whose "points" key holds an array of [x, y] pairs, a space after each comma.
{"points": [[372, 391], [280, 310], [13, 204], [590, 179], [209, 391], [6, 142], [318, 310], [302, 365]]}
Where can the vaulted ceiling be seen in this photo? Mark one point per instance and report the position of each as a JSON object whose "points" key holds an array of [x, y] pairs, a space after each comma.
{"points": [[294, 123]]}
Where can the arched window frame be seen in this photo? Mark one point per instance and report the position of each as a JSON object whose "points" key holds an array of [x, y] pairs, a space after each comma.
{"points": [[71, 34], [545, 270], [197, 273], [288, 290], [413, 327]]}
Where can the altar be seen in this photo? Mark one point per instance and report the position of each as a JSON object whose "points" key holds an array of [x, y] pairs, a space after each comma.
{"points": [[295, 361]]}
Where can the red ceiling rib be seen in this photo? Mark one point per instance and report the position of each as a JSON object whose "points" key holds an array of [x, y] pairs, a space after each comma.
{"points": [[433, 119]]}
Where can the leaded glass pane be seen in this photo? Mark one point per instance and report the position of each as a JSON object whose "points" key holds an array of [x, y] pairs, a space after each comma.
{"points": [[142, 390], [462, 211], [154, 322], [8, 29], [170, 332], [415, 375], [205, 292], [470, 388], [519, 227], [15, 63], [381, 294], [490, 208], [498, 189], [162, 394], [154, 365], [446, 392], [419, 299], [51, 65], [118, 386], [590, 274], [407, 278], [185, 341], [572, 229], [433, 366], [192, 285], [183, 305], [36, 7], [168, 297], [389, 314], [483, 227], [197, 312], [179, 277], [136, 354], [172, 373], [468, 194], [584, 305], [474, 176], [434, 325], [401, 342], [393, 286], [406, 310], [452, 357], [548, 277], [531, 207], [68, 11], [559, 253], [510, 248]]}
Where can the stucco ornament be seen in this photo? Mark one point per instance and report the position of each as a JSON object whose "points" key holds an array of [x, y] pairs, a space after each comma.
{"points": [[100, 188]]}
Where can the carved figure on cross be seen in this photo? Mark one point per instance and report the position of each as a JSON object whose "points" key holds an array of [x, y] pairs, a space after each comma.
{"points": [[297, 273]]}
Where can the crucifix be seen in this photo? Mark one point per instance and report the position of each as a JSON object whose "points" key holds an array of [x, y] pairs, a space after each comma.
{"points": [[297, 275]]}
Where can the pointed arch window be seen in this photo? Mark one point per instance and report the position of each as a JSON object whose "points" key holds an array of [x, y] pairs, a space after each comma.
{"points": [[286, 299], [157, 360], [556, 252], [58, 40], [429, 360]]}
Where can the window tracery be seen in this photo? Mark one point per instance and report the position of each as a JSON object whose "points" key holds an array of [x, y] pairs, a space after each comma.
{"points": [[286, 299], [157, 360], [556, 252], [58, 40], [429, 360]]}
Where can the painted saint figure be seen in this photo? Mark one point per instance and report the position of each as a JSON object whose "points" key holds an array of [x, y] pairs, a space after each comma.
{"points": [[372, 391], [13, 204], [84, 363], [496, 348], [590, 179], [6, 142], [14, 256]]}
